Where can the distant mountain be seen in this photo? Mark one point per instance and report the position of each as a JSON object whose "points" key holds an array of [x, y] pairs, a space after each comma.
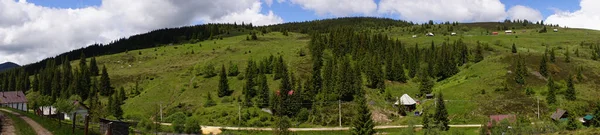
{"points": [[8, 65]]}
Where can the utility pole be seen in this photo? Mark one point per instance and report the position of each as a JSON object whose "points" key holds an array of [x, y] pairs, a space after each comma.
{"points": [[340, 111], [538, 108], [239, 114]]}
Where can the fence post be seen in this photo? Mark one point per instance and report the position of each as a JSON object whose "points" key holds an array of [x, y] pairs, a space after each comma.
{"points": [[87, 123]]}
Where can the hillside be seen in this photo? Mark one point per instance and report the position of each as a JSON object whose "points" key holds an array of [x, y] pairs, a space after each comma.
{"points": [[7, 66], [169, 74]]}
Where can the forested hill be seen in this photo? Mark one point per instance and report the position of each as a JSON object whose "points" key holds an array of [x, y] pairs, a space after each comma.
{"points": [[209, 31]]}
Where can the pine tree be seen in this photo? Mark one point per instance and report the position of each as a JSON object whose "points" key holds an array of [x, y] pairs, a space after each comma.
{"points": [[441, 114], [93, 67], [551, 97], [514, 48], [233, 69], [478, 53], [425, 120], [596, 120], [118, 111], [223, 83], [570, 93], [521, 71], [544, 66], [567, 56], [263, 91], [209, 101], [111, 105], [552, 56], [122, 96], [572, 123], [425, 85], [105, 86], [362, 124]]}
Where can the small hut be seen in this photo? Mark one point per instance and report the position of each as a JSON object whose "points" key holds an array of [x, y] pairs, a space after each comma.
{"points": [[429, 34], [555, 30], [508, 32], [494, 33], [559, 114], [453, 34], [111, 127]]}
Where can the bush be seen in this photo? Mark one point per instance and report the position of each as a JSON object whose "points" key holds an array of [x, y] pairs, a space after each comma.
{"points": [[192, 126], [209, 71], [178, 125], [240, 77], [302, 115]]}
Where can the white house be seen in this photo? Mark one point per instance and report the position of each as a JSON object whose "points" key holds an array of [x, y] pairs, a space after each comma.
{"points": [[80, 110], [508, 32], [555, 30], [414, 36], [14, 99], [453, 33]]}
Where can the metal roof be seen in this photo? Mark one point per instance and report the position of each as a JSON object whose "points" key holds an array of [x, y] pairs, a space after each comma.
{"points": [[12, 97]]}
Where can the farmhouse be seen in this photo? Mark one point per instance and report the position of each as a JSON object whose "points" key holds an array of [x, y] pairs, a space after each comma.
{"points": [[80, 110], [14, 99], [508, 32]]}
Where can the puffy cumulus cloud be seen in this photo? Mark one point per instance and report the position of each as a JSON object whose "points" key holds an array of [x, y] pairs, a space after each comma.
{"points": [[251, 15], [587, 17], [30, 32], [444, 10], [338, 7], [520, 12], [269, 2]]}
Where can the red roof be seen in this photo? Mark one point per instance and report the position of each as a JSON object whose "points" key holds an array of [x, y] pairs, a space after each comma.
{"points": [[498, 118], [291, 92], [12, 97]]}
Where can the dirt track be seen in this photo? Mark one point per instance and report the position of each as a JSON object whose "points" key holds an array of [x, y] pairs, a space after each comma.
{"points": [[37, 127]]}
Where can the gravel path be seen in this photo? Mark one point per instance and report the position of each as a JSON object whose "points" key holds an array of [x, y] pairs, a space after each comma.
{"points": [[7, 125], [37, 127]]}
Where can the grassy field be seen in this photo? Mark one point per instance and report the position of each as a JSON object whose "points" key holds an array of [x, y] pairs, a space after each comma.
{"points": [[167, 77], [21, 127]]}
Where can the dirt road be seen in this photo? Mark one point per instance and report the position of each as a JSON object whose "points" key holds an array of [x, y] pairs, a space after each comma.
{"points": [[7, 125], [37, 127]]}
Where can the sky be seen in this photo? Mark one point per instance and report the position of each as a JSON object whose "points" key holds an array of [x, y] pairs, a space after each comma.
{"points": [[31, 30]]}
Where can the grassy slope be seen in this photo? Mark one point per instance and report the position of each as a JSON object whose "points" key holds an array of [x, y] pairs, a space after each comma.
{"points": [[166, 74]]}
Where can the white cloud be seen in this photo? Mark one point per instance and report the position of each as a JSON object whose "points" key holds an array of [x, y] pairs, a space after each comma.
{"points": [[444, 10], [269, 2], [251, 15], [338, 7], [586, 17], [520, 12], [29, 32]]}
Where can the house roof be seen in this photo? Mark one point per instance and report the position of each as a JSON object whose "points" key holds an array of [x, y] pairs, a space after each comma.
{"points": [[12, 97], [406, 100], [558, 114], [588, 117], [80, 105], [499, 118]]}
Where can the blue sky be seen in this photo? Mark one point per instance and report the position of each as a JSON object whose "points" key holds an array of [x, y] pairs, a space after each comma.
{"points": [[292, 12]]}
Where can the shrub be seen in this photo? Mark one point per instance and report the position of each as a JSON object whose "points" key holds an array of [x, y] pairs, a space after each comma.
{"points": [[209, 71], [192, 126]]}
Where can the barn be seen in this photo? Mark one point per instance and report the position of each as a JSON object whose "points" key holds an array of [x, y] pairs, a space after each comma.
{"points": [[14, 99], [111, 127]]}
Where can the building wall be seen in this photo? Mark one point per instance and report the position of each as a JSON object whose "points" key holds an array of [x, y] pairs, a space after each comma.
{"points": [[18, 106], [80, 112]]}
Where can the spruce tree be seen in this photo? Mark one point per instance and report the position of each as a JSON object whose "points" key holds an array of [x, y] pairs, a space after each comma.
{"points": [[441, 114], [105, 86], [233, 69], [544, 66], [122, 96], [552, 56], [551, 97], [567, 56], [572, 123], [263, 91], [514, 48], [478, 53], [570, 93], [118, 112], [521, 71], [209, 101], [93, 67], [362, 124], [425, 120], [223, 83]]}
